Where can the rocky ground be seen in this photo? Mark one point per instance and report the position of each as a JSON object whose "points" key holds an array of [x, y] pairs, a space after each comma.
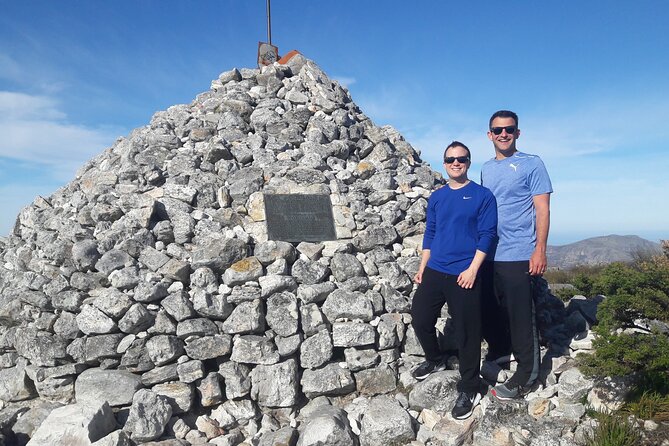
{"points": [[144, 304]]}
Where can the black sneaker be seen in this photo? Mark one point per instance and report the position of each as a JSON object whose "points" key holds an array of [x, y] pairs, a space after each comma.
{"points": [[465, 404], [425, 369]]}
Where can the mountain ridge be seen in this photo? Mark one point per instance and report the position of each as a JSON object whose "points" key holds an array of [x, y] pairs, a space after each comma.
{"points": [[600, 250]]}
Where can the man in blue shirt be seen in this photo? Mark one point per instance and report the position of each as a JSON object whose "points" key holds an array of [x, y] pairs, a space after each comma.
{"points": [[522, 188], [460, 231]]}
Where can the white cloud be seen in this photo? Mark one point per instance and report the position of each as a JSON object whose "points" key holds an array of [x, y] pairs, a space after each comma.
{"points": [[18, 106], [35, 130]]}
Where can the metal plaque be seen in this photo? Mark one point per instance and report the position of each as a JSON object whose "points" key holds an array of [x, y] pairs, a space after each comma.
{"points": [[299, 218]]}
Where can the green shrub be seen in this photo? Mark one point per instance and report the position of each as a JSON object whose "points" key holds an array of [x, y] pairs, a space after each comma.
{"points": [[635, 292]]}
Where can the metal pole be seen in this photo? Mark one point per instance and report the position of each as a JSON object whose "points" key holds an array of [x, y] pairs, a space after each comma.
{"points": [[269, 23]]}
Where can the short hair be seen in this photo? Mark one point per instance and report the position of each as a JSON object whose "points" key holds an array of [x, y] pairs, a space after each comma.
{"points": [[458, 144], [503, 114]]}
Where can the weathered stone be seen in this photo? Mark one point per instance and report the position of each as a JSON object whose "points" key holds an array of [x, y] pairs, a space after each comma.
{"points": [[254, 349], [39, 347], [112, 302], [190, 371], [116, 387], [269, 251], [327, 425], [237, 380], [212, 306], [316, 293], [15, 384], [316, 350], [275, 385], [344, 266], [178, 306], [85, 254], [196, 327], [180, 396], [341, 304], [247, 317], [282, 314], [93, 321], [377, 380], [308, 272], [159, 375], [329, 380], [81, 423], [275, 284], [386, 422], [100, 347], [209, 390], [574, 385], [242, 271], [437, 392], [163, 349], [352, 334], [209, 347], [136, 319], [112, 260], [147, 292], [148, 416]]}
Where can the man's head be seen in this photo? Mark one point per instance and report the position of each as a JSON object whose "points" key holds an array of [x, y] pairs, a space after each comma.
{"points": [[457, 159], [503, 131]]}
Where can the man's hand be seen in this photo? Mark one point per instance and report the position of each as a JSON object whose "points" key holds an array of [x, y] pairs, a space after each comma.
{"points": [[418, 277], [538, 263], [467, 278]]}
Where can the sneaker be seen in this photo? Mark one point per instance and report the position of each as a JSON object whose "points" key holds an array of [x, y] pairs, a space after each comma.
{"points": [[465, 404], [509, 391], [428, 367]]}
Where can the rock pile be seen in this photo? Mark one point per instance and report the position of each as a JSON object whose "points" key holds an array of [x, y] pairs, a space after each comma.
{"points": [[144, 304]]}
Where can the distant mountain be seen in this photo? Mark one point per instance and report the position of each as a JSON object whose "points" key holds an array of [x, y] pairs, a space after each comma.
{"points": [[600, 250]]}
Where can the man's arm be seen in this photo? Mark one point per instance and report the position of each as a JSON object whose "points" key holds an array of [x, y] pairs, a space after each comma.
{"points": [[538, 260]]}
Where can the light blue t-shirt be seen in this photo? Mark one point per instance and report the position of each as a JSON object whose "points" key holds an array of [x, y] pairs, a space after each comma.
{"points": [[515, 181]]}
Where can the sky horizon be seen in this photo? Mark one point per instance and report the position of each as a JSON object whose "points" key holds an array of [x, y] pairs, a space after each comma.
{"points": [[588, 80]]}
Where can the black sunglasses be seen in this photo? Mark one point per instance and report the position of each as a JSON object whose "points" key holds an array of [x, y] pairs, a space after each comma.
{"points": [[451, 159], [498, 130]]}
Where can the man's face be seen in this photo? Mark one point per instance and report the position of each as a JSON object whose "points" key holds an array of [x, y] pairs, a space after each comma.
{"points": [[456, 170], [504, 141]]}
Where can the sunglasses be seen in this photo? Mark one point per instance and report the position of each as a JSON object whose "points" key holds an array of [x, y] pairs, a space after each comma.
{"points": [[509, 129], [451, 159]]}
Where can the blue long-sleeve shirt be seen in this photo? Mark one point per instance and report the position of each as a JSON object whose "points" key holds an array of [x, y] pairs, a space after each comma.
{"points": [[459, 222]]}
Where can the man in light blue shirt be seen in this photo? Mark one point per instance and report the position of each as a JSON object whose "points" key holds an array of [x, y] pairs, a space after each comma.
{"points": [[522, 188]]}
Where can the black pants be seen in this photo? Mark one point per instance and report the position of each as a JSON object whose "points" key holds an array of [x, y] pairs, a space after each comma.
{"points": [[509, 321], [464, 307]]}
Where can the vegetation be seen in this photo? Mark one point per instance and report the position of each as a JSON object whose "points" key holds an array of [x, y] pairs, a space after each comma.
{"points": [[613, 430], [631, 318], [632, 339]]}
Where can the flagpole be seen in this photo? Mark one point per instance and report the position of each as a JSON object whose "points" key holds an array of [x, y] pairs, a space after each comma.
{"points": [[269, 23]]}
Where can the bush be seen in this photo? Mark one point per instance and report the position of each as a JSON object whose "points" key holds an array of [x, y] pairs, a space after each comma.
{"points": [[613, 430], [637, 294]]}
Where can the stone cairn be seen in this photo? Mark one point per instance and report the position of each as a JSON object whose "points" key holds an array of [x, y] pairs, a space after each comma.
{"points": [[144, 304]]}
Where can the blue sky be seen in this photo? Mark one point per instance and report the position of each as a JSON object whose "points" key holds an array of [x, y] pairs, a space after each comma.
{"points": [[588, 79]]}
